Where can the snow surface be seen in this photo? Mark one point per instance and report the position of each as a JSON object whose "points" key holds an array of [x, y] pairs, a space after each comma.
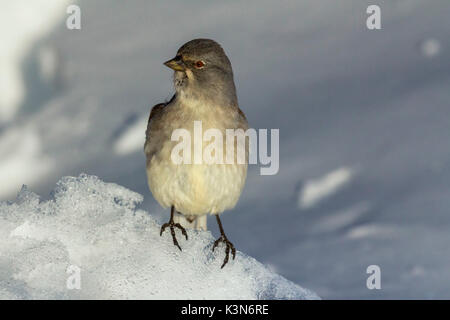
{"points": [[95, 226], [31, 21], [374, 102]]}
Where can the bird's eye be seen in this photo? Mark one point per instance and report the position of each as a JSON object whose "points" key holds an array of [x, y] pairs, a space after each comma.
{"points": [[199, 64]]}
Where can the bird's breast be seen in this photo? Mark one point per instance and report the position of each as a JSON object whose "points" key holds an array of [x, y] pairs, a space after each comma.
{"points": [[194, 189]]}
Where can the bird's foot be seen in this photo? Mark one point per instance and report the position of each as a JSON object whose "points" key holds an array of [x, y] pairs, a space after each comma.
{"points": [[172, 227], [229, 246]]}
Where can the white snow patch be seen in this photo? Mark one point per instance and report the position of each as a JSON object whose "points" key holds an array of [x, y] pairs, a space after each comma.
{"points": [[21, 159], [341, 218], [22, 22], [430, 48], [95, 226], [370, 230], [48, 63], [132, 139], [417, 271], [317, 189]]}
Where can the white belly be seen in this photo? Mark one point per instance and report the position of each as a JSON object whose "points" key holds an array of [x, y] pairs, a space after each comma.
{"points": [[195, 189]]}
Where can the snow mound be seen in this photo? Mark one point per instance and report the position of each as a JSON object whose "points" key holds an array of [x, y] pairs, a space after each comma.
{"points": [[89, 241]]}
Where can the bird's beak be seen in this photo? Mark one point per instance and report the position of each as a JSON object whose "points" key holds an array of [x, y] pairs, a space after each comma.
{"points": [[176, 64]]}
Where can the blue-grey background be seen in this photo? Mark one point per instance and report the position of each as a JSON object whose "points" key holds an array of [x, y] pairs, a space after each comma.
{"points": [[364, 119]]}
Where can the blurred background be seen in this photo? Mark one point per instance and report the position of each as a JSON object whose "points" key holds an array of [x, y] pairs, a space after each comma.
{"points": [[364, 119]]}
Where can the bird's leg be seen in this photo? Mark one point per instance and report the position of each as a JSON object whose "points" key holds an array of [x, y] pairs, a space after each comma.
{"points": [[172, 225], [223, 238]]}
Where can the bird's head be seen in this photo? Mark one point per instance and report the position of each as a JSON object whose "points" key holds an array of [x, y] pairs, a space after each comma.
{"points": [[203, 71]]}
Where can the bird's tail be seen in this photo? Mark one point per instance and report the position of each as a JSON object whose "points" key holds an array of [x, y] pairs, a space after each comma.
{"points": [[199, 222]]}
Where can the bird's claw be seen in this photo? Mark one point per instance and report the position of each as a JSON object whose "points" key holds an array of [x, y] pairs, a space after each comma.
{"points": [[229, 246], [172, 227]]}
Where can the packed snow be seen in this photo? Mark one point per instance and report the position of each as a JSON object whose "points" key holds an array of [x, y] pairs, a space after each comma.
{"points": [[90, 242]]}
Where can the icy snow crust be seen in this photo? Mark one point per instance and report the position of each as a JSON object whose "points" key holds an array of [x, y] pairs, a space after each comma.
{"points": [[96, 227]]}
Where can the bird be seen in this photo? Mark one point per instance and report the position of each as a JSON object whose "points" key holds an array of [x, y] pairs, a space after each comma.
{"points": [[204, 91]]}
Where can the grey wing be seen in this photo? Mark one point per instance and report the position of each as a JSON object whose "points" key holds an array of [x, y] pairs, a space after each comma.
{"points": [[243, 123], [155, 129], [154, 115]]}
